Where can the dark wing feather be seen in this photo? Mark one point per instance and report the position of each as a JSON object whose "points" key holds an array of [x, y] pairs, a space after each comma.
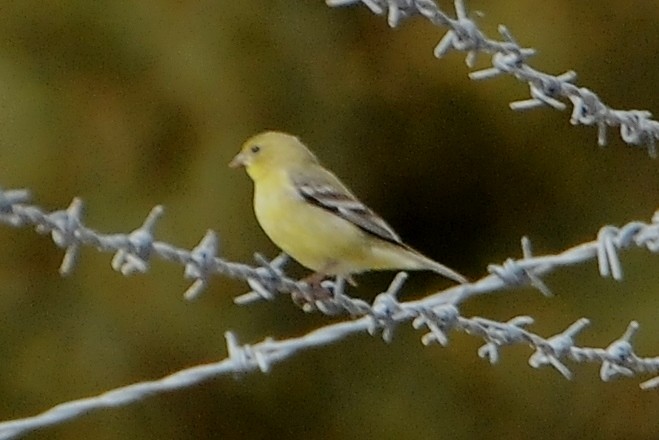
{"points": [[327, 192]]}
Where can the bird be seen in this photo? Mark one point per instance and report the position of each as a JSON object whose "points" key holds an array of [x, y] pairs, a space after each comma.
{"points": [[313, 217]]}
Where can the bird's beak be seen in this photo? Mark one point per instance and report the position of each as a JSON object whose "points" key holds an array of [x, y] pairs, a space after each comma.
{"points": [[239, 161]]}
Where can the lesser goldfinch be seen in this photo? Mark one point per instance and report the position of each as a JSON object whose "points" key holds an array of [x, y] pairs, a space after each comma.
{"points": [[308, 213]]}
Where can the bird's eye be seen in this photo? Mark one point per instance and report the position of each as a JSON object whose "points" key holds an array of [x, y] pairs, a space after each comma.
{"points": [[255, 149]]}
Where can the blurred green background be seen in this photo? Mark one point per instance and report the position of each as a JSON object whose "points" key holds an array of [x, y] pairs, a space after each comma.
{"points": [[129, 104]]}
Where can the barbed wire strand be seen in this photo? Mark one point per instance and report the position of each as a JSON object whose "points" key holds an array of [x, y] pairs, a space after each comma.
{"points": [[508, 57], [134, 251], [438, 314]]}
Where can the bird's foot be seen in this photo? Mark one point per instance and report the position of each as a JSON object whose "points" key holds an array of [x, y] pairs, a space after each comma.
{"points": [[316, 291]]}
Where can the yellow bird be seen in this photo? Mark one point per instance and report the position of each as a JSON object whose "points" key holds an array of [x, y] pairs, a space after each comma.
{"points": [[308, 213]]}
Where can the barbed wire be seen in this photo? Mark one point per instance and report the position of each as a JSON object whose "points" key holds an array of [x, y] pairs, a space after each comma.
{"points": [[134, 251], [508, 57], [437, 315]]}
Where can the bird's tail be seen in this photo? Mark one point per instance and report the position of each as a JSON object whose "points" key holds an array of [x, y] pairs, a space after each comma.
{"points": [[440, 268], [392, 258]]}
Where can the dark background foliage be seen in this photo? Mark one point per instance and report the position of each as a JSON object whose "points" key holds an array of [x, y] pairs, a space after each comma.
{"points": [[129, 104]]}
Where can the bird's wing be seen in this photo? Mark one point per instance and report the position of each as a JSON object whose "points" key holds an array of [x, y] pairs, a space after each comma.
{"points": [[324, 190]]}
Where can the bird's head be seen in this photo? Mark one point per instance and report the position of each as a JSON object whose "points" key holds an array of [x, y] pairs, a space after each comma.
{"points": [[271, 151]]}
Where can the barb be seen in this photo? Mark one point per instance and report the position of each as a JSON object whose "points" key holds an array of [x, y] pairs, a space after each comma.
{"points": [[508, 57]]}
